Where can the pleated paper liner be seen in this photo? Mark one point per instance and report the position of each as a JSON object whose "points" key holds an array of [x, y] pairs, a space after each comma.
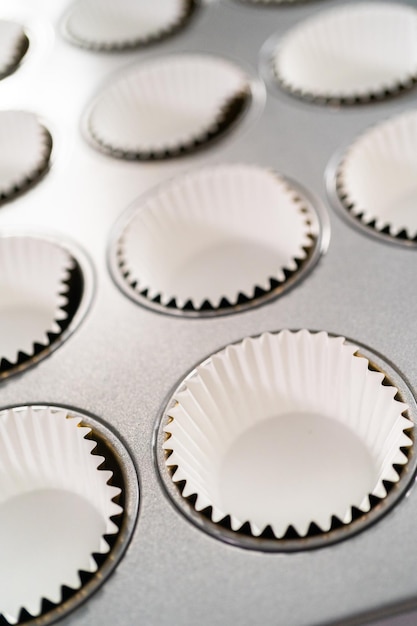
{"points": [[168, 106], [14, 44], [215, 239], [104, 25], [25, 150], [354, 53], [376, 179], [61, 509], [286, 436], [42, 288]]}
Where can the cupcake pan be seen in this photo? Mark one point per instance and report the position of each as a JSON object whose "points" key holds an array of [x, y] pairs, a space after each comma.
{"points": [[13, 46], [100, 25], [124, 361], [25, 149], [167, 106], [353, 53], [216, 239]]}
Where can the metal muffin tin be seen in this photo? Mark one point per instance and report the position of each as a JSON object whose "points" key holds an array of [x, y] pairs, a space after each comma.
{"points": [[123, 360]]}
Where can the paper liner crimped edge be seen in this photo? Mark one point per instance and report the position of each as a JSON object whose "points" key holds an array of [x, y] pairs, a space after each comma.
{"points": [[59, 315], [386, 91], [80, 294], [225, 520], [17, 52], [188, 9], [226, 115], [364, 214], [88, 447], [302, 254], [229, 113], [26, 178]]}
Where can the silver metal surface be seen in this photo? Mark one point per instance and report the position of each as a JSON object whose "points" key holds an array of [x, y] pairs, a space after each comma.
{"points": [[124, 359]]}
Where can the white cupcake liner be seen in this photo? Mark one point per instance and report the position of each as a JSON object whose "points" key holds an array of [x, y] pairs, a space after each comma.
{"points": [[56, 507], [25, 148], [285, 431], [167, 106], [351, 53], [13, 46], [377, 178], [33, 294], [215, 235], [103, 25]]}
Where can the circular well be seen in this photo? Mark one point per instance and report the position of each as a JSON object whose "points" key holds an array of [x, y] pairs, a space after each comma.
{"points": [[353, 53], [25, 152], [168, 107], [73, 295], [83, 469], [258, 489], [372, 181], [196, 247], [99, 25], [14, 44]]}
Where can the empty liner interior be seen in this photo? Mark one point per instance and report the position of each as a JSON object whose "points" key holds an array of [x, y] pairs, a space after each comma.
{"points": [[286, 432], [167, 106], [25, 149], [350, 53], [13, 46], [216, 237], [41, 287], [56, 508], [103, 25], [377, 178]]}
